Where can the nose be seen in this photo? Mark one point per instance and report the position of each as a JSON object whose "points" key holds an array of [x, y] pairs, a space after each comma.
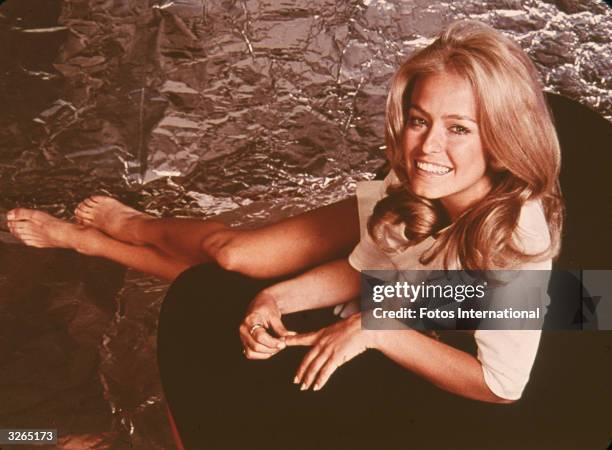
{"points": [[433, 141]]}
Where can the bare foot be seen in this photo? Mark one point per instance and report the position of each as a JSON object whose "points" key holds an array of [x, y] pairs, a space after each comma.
{"points": [[112, 217], [39, 229]]}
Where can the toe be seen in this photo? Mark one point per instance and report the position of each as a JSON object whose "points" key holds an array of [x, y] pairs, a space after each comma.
{"points": [[83, 208], [33, 242], [85, 220], [84, 213], [23, 214], [24, 228], [19, 214], [90, 203], [81, 204], [100, 198]]}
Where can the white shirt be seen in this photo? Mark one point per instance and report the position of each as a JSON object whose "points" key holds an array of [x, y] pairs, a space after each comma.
{"points": [[506, 356]]}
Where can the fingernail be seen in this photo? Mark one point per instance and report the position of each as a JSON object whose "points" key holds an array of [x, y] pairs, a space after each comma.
{"points": [[316, 387], [281, 346], [296, 380], [291, 333], [303, 387]]}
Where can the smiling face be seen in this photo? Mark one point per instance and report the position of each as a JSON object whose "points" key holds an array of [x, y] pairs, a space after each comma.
{"points": [[445, 158]]}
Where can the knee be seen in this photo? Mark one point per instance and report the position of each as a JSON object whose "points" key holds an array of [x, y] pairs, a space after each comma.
{"points": [[230, 249], [229, 258], [223, 247]]}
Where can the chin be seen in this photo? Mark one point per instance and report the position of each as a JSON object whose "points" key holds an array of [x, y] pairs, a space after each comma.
{"points": [[428, 192]]}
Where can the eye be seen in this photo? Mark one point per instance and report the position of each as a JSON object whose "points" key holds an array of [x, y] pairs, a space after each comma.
{"points": [[416, 122], [458, 129]]}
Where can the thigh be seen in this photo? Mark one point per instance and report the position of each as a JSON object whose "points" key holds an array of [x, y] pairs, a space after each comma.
{"points": [[294, 244], [220, 399], [211, 388]]}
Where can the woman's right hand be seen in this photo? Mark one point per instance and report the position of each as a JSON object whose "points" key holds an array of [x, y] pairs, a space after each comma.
{"points": [[263, 316]]}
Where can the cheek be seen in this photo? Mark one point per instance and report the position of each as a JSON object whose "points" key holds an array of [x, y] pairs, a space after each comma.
{"points": [[406, 143], [469, 160], [409, 144]]}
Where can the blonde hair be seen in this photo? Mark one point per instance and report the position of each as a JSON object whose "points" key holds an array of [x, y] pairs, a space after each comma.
{"points": [[517, 132]]}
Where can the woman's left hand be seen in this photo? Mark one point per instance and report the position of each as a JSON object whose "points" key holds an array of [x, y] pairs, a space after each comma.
{"points": [[331, 347]]}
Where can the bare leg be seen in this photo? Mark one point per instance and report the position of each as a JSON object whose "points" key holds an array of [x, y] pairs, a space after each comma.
{"points": [[180, 238], [282, 248], [112, 217], [38, 229]]}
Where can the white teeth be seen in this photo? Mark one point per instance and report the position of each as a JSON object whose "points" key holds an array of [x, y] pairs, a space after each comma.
{"points": [[432, 168]]}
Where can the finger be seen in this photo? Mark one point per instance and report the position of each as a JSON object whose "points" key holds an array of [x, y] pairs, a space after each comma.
{"points": [[326, 371], [263, 337], [312, 371], [250, 354], [253, 319], [255, 346], [310, 356], [279, 328], [249, 342], [303, 338], [259, 334]]}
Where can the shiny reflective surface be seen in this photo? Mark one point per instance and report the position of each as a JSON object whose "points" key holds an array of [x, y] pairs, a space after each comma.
{"points": [[255, 109]]}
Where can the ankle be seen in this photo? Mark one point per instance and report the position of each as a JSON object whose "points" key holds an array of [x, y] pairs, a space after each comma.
{"points": [[137, 228], [88, 242]]}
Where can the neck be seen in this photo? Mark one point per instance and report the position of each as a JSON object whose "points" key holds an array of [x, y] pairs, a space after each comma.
{"points": [[458, 203]]}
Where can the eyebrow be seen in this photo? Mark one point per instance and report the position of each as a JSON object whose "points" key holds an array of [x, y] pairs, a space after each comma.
{"points": [[446, 116]]}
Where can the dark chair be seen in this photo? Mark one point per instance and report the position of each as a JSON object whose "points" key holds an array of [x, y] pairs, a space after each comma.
{"points": [[585, 139]]}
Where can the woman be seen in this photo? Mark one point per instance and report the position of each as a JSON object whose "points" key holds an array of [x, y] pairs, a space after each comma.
{"points": [[474, 185], [475, 162]]}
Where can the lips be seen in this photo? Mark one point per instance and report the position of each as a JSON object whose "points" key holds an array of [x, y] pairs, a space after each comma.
{"points": [[431, 168]]}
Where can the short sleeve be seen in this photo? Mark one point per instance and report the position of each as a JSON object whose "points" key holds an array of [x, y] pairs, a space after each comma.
{"points": [[507, 356], [368, 255], [532, 235]]}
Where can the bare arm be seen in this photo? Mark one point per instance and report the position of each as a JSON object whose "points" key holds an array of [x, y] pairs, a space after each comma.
{"points": [[288, 246], [329, 284], [337, 282], [444, 366]]}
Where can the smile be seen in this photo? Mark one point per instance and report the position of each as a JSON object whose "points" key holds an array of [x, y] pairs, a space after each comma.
{"points": [[432, 168]]}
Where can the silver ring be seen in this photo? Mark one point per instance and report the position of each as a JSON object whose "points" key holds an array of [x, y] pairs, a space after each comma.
{"points": [[254, 327]]}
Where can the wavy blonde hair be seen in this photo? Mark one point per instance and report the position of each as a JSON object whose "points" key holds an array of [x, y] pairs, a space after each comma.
{"points": [[517, 133]]}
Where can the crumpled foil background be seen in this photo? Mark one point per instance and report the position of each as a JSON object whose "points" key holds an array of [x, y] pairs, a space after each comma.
{"points": [[253, 109]]}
